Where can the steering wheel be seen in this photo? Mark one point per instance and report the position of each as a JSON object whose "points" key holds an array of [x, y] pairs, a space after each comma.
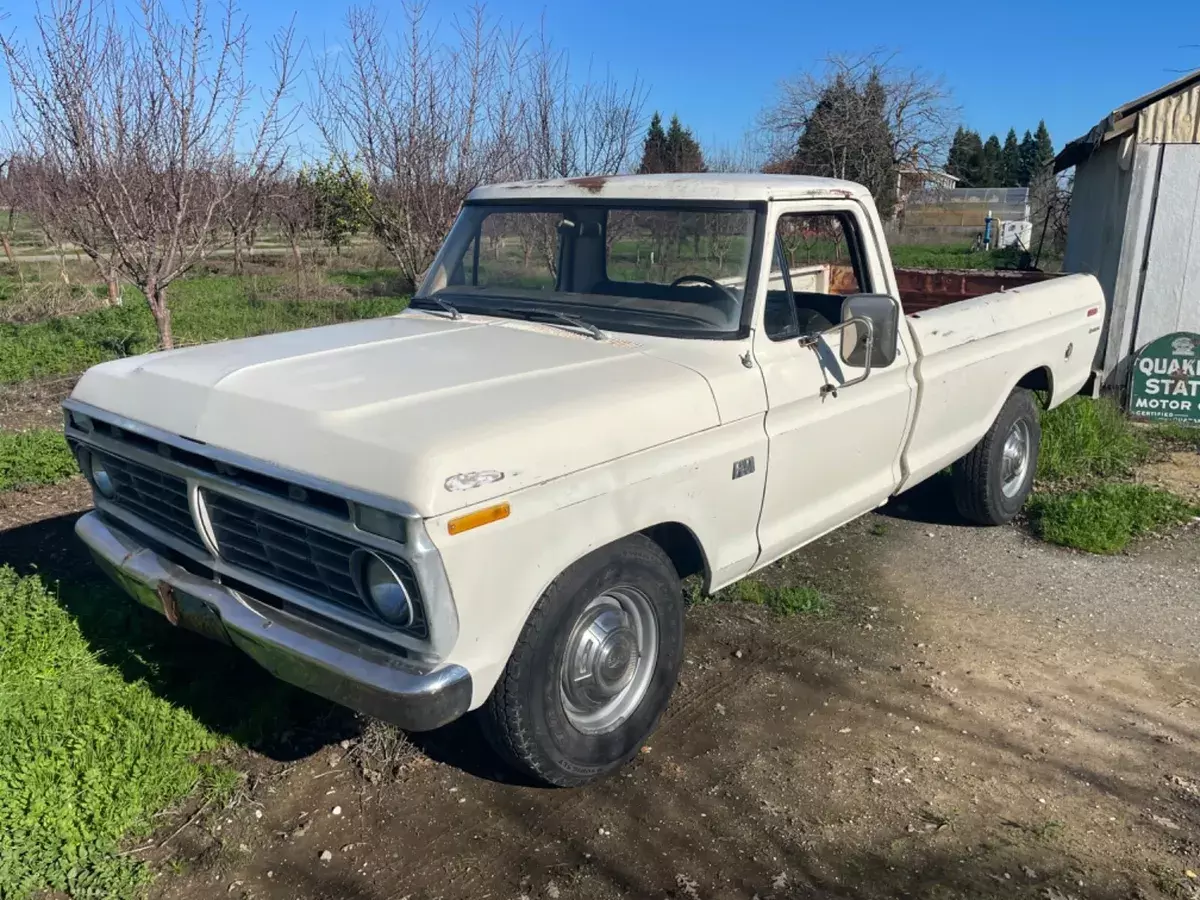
{"points": [[704, 279]]}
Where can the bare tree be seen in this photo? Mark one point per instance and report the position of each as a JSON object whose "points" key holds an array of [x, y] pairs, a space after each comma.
{"points": [[137, 132], [575, 128], [9, 202], [428, 120], [861, 117]]}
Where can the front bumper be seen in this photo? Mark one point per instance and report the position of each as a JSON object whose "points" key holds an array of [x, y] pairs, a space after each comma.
{"points": [[295, 650]]}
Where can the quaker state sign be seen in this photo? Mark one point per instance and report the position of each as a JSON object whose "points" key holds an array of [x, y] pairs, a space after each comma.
{"points": [[1166, 379]]}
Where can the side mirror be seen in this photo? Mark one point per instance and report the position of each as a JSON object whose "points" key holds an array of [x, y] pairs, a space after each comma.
{"points": [[883, 312]]}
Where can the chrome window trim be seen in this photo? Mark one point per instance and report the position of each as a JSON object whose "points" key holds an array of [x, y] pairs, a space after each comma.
{"points": [[417, 550]]}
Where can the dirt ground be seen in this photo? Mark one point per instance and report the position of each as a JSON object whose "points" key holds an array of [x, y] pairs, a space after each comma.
{"points": [[978, 715]]}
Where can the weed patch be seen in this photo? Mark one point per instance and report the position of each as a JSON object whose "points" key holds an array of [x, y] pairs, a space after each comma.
{"points": [[952, 256], [1175, 435], [86, 758], [1085, 439], [37, 456], [785, 600], [1105, 518]]}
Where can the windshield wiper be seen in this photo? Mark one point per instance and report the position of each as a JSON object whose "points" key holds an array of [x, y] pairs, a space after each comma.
{"points": [[568, 318], [450, 308]]}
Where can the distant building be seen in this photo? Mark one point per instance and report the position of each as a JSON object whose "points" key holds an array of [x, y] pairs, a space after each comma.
{"points": [[911, 178], [959, 216], [1135, 219]]}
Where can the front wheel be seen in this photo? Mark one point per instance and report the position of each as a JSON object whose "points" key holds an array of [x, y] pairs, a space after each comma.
{"points": [[594, 667], [993, 481]]}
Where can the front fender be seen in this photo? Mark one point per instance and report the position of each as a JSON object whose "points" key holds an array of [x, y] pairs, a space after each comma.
{"points": [[498, 571]]}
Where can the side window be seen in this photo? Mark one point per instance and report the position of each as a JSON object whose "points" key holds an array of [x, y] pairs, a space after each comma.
{"points": [[822, 252], [515, 250], [817, 262]]}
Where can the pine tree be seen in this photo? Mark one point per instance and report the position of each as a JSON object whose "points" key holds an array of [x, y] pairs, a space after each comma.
{"points": [[1045, 147], [1037, 155], [654, 148], [847, 136], [1010, 160], [972, 149], [1028, 153], [991, 169], [683, 152], [956, 159]]}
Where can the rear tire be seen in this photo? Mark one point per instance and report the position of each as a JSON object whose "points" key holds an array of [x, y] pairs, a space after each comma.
{"points": [[993, 481], [614, 622]]}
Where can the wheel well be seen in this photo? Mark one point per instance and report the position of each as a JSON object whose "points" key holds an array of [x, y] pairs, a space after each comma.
{"points": [[682, 546], [1039, 380]]}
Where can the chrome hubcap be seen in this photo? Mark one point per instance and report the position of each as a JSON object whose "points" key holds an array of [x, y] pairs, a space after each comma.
{"points": [[609, 660], [1015, 463]]}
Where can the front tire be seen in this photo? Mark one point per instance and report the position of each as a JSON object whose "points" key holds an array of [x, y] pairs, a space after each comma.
{"points": [[993, 481], [594, 667]]}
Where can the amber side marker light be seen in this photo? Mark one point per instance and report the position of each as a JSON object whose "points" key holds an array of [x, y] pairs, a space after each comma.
{"points": [[485, 516]]}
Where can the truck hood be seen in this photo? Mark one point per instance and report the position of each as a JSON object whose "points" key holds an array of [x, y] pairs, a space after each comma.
{"points": [[397, 405]]}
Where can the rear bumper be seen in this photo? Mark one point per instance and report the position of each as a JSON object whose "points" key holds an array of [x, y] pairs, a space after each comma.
{"points": [[297, 651]]}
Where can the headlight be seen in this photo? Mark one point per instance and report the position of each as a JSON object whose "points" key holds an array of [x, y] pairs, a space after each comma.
{"points": [[98, 474], [383, 590]]}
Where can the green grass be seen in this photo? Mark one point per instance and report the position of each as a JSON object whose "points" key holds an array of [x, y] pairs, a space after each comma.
{"points": [[783, 600], [951, 256], [1105, 518], [86, 757], [37, 456], [1086, 439], [203, 309]]}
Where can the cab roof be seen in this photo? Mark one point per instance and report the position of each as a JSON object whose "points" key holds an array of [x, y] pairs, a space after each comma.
{"points": [[703, 186]]}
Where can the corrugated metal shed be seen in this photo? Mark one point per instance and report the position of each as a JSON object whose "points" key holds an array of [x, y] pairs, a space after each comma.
{"points": [[1135, 219]]}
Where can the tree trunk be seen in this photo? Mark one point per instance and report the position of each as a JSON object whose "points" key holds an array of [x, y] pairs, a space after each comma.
{"points": [[114, 288], [156, 297], [237, 254], [299, 260], [8, 248]]}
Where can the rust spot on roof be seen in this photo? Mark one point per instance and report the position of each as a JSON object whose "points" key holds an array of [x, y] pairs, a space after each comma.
{"points": [[593, 183]]}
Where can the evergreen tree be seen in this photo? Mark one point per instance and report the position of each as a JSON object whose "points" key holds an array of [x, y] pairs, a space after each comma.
{"points": [[683, 152], [959, 155], [1028, 153], [1010, 160], [992, 165], [1037, 154], [847, 136], [972, 174], [654, 148], [1045, 147]]}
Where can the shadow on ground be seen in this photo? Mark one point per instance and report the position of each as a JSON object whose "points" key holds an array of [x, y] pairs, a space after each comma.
{"points": [[222, 688], [930, 502]]}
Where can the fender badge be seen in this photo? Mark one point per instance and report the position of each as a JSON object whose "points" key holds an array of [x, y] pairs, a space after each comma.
{"points": [[743, 467], [465, 481]]}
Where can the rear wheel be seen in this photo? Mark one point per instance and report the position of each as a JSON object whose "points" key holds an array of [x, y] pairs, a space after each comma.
{"points": [[594, 666], [993, 481]]}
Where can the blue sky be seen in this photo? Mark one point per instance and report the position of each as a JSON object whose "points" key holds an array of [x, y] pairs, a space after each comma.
{"points": [[716, 63]]}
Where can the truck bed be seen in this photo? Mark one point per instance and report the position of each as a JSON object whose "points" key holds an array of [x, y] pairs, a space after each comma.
{"points": [[925, 289]]}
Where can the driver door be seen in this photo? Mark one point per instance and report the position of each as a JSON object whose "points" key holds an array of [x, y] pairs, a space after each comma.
{"points": [[832, 454]]}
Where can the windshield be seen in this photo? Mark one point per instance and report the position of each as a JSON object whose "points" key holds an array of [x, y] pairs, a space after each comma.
{"points": [[670, 269]]}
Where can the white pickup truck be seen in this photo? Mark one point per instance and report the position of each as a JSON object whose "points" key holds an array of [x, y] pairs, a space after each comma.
{"points": [[603, 385]]}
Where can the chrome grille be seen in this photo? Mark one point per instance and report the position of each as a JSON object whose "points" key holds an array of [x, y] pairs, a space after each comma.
{"points": [[283, 549], [153, 496]]}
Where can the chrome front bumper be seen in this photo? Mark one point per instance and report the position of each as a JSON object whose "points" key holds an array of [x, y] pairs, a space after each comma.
{"points": [[295, 650]]}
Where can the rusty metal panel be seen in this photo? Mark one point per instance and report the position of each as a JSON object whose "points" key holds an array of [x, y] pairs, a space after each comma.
{"points": [[1175, 119]]}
